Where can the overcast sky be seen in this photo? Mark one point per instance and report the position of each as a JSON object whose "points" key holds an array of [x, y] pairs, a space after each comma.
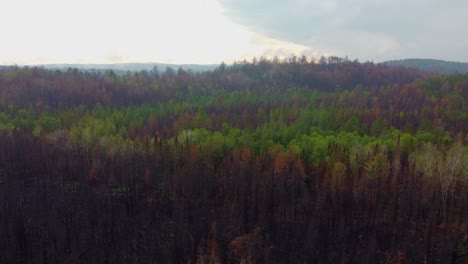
{"points": [[212, 31], [363, 29]]}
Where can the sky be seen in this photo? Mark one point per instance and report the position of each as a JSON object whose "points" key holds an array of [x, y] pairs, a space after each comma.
{"points": [[213, 31]]}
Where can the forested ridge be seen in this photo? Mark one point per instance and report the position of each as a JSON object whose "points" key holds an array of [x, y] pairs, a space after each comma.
{"points": [[261, 161], [431, 65]]}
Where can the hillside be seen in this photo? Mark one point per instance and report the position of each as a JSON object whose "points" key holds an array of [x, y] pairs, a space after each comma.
{"points": [[430, 65], [256, 162]]}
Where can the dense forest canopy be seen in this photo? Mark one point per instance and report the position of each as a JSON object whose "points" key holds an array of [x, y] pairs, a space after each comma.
{"points": [[261, 161]]}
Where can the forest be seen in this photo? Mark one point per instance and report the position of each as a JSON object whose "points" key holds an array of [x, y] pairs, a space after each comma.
{"points": [[261, 161]]}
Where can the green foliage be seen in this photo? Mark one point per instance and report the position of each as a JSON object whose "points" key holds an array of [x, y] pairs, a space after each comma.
{"points": [[218, 119], [269, 147], [379, 166], [353, 124], [424, 136]]}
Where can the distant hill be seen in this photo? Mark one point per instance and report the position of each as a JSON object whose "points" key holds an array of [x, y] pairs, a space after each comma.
{"points": [[430, 65], [124, 67]]}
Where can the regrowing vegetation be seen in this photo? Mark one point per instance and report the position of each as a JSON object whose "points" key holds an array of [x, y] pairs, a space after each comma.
{"points": [[263, 161]]}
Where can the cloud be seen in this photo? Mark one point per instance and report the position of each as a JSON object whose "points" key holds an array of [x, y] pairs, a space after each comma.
{"points": [[89, 31], [270, 47], [366, 29]]}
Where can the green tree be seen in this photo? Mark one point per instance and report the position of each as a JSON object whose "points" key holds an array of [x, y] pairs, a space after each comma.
{"points": [[379, 166]]}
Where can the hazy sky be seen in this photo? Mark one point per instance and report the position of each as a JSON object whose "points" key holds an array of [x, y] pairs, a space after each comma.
{"points": [[364, 29], [211, 31]]}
